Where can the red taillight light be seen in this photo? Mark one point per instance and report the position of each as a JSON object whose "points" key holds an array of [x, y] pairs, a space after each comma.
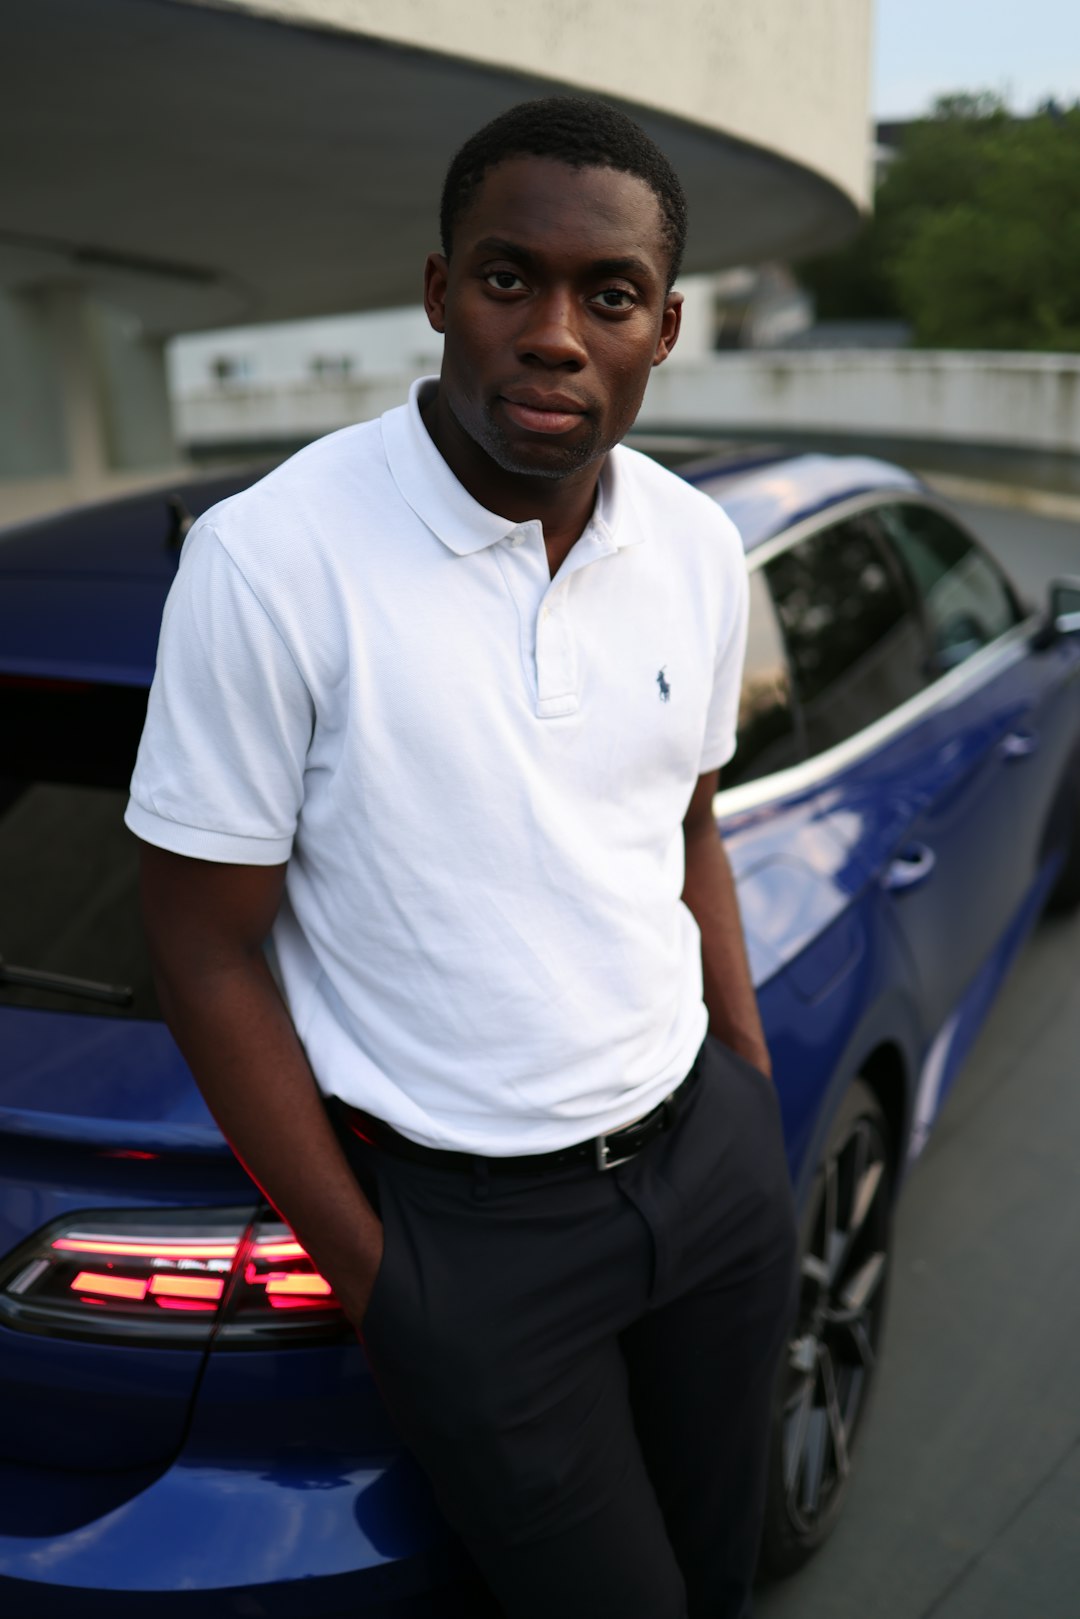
{"points": [[169, 1277], [161, 1249], [274, 1273], [114, 1287]]}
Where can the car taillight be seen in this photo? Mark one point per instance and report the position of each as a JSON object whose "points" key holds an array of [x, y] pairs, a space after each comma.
{"points": [[177, 1277]]}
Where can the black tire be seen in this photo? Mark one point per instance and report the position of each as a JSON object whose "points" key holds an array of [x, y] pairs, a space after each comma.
{"points": [[826, 1373], [1065, 894]]}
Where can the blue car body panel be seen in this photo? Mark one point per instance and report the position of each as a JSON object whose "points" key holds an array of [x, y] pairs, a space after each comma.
{"points": [[97, 1081], [271, 1478], [765, 499], [81, 593]]}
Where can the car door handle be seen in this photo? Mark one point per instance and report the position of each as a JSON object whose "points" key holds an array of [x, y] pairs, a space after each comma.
{"points": [[1019, 745], [911, 867]]}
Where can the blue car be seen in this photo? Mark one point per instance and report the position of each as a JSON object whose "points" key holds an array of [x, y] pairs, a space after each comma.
{"points": [[188, 1425]]}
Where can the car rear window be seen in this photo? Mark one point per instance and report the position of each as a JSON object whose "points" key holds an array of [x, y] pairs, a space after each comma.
{"points": [[68, 865]]}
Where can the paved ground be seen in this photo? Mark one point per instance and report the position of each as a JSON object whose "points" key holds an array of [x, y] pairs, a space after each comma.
{"points": [[966, 1503], [1033, 549]]}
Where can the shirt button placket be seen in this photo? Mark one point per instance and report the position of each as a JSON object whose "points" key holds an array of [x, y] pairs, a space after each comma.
{"points": [[555, 659]]}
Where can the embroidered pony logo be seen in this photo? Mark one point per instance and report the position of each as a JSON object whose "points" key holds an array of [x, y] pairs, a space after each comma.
{"points": [[665, 689]]}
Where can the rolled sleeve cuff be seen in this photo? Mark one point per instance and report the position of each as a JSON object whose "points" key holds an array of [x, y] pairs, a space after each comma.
{"points": [[201, 844]]}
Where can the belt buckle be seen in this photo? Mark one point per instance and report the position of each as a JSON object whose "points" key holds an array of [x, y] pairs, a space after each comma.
{"points": [[604, 1160]]}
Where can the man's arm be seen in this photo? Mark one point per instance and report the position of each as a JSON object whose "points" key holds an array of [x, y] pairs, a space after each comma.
{"points": [[205, 923], [709, 894]]}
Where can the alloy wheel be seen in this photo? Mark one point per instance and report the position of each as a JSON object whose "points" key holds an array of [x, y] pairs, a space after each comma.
{"points": [[826, 1375]]}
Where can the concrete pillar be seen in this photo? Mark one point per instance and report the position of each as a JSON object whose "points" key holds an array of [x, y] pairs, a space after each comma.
{"points": [[134, 393], [84, 406], [31, 406], [81, 387]]}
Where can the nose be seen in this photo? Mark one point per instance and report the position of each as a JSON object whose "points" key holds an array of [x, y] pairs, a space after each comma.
{"points": [[552, 332]]}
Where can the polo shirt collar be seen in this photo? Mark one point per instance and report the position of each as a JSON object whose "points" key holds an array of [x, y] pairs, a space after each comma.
{"points": [[427, 485], [614, 517]]}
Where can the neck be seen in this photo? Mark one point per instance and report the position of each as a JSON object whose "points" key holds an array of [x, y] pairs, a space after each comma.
{"points": [[562, 505]]}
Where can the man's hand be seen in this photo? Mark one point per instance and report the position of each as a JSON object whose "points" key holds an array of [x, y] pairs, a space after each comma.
{"points": [[709, 894], [205, 924]]}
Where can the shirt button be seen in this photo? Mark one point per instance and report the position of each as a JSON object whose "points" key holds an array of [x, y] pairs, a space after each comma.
{"points": [[515, 538]]}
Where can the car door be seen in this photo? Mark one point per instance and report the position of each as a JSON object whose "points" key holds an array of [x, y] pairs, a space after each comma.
{"points": [[794, 870], [997, 736], [1013, 700], [909, 779]]}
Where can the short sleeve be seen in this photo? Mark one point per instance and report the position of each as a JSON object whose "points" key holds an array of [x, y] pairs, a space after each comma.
{"points": [[722, 723], [220, 769]]}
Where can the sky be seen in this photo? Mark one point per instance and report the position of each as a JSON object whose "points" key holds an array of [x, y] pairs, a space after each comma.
{"points": [[1026, 49]]}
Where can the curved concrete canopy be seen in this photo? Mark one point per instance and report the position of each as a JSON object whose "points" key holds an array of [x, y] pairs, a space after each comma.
{"points": [[200, 165]]}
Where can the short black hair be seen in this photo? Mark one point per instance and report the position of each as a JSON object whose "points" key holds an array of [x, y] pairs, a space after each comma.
{"points": [[577, 130]]}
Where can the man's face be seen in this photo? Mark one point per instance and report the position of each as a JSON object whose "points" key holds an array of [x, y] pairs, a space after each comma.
{"points": [[554, 311]]}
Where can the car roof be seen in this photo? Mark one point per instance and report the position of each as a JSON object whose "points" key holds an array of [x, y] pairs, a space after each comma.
{"points": [[765, 497], [81, 592]]}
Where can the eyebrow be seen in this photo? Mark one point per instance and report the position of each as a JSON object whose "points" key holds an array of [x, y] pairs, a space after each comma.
{"points": [[629, 266]]}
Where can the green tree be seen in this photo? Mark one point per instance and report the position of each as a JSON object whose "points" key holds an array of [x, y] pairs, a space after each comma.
{"points": [[975, 237]]}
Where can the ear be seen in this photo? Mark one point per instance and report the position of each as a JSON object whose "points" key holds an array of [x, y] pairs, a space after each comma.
{"points": [[670, 325], [436, 274]]}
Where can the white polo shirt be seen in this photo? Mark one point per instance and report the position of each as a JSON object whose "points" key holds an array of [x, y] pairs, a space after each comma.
{"points": [[476, 773]]}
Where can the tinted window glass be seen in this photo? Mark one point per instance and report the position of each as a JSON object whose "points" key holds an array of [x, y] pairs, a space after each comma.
{"points": [[68, 865], [968, 603], [854, 640], [767, 734]]}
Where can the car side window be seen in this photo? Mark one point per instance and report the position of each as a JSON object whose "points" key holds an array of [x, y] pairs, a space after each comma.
{"points": [[768, 734], [853, 635], [967, 600]]}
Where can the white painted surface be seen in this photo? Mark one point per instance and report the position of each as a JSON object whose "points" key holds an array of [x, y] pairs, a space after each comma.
{"points": [[1026, 401], [1030, 401], [293, 354], [789, 77], [266, 415]]}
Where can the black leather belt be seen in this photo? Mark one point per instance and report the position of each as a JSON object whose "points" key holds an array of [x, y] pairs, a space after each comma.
{"points": [[602, 1152]]}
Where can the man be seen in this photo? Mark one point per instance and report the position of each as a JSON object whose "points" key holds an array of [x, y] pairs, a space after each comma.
{"points": [[440, 706]]}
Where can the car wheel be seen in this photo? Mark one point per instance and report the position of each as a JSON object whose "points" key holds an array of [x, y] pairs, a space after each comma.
{"points": [[827, 1371], [1065, 894]]}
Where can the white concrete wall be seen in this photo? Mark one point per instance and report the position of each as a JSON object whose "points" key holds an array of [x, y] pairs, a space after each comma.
{"points": [[1027, 401], [285, 354], [216, 417], [1030, 401], [790, 77]]}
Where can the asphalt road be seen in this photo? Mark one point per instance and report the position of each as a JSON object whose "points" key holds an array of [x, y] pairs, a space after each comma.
{"points": [[1032, 549], [965, 1503]]}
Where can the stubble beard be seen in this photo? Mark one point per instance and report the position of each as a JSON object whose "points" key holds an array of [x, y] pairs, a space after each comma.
{"points": [[555, 461]]}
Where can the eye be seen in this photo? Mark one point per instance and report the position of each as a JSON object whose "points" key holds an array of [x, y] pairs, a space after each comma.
{"points": [[505, 280], [615, 298]]}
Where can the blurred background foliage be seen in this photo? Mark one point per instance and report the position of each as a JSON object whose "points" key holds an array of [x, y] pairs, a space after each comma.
{"points": [[975, 237]]}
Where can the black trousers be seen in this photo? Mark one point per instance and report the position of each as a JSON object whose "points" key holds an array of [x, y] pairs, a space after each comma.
{"points": [[582, 1361]]}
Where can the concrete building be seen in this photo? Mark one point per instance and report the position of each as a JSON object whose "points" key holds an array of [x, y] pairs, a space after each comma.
{"points": [[180, 165]]}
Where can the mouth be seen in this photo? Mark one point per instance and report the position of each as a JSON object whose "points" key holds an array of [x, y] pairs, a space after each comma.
{"points": [[542, 413]]}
